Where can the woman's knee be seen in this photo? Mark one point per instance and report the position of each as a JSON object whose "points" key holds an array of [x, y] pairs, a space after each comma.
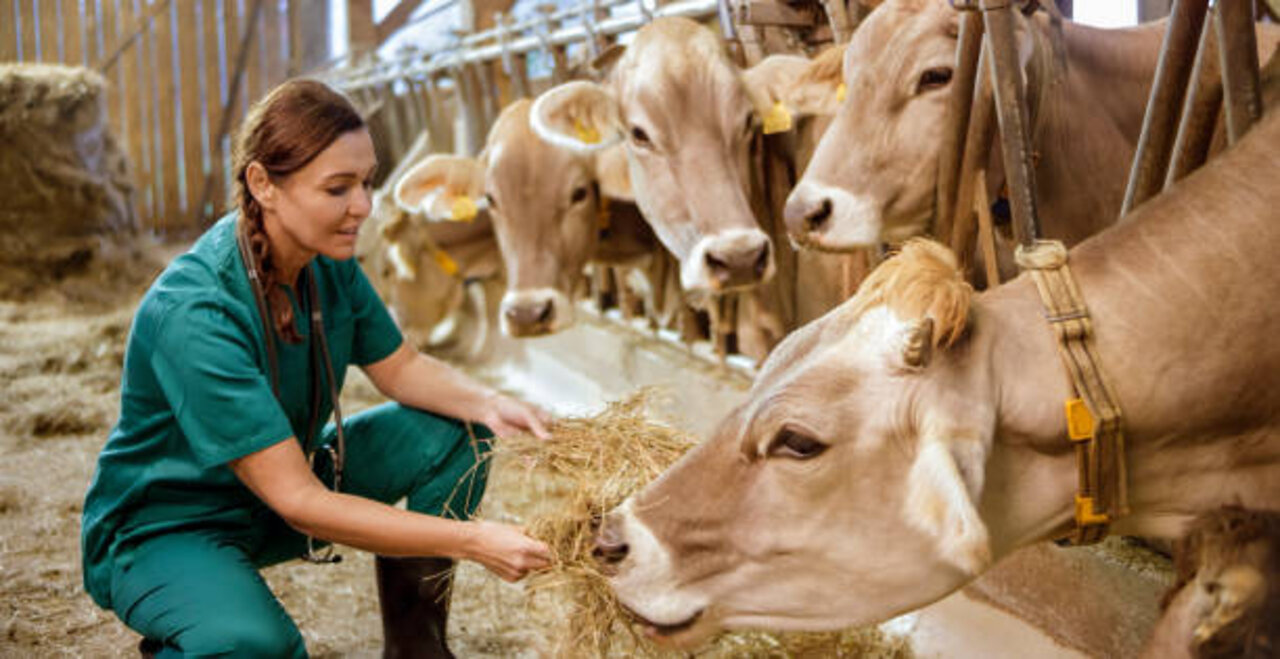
{"points": [[243, 636]]}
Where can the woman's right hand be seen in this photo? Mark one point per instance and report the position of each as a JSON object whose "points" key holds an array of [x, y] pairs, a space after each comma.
{"points": [[506, 551]]}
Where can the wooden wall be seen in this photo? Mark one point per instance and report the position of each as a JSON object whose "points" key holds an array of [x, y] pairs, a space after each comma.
{"points": [[171, 67]]}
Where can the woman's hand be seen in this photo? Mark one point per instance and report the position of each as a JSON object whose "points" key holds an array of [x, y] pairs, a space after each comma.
{"points": [[507, 416], [505, 550]]}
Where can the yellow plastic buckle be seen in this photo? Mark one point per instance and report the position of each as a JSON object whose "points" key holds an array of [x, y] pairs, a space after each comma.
{"points": [[586, 134], [1079, 420], [446, 263], [841, 92], [463, 209], [778, 120], [1087, 515]]}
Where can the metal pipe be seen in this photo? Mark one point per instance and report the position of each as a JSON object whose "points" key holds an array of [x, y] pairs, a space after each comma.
{"points": [[1238, 54], [968, 50], [1199, 112], [977, 143], [1011, 110], [1151, 160], [442, 60]]}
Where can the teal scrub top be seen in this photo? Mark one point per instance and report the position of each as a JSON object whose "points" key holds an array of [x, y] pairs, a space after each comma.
{"points": [[196, 394]]}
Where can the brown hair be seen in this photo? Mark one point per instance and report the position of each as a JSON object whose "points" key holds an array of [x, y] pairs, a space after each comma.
{"points": [[283, 132]]}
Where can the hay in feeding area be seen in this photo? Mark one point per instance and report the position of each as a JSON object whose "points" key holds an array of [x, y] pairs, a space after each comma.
{"points": [[591, 465]]}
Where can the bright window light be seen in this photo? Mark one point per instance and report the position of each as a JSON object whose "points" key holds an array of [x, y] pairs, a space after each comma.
{"points": [[1105, 13]]}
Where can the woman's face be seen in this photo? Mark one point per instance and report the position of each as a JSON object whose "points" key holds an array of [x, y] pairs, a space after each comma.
{"points": [[319, 208]]}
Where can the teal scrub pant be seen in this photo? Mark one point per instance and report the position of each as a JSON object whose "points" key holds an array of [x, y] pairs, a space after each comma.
{"points": [[199, 592]]}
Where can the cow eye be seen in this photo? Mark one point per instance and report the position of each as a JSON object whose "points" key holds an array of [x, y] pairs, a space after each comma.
{"points": [[493, 205], [579, 194], [932, 79], [797, 446], [640, 137]]}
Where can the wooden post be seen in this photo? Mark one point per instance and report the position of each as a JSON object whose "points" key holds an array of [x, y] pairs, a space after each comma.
{"points": [[136, 91], [92, 47], [362, 33], [214, 199], [24, 25], [951, 155], [977, 145], [1177, 54], [8, 32], [48, 13], [192, 107], [255, 86], [170, 151], [72, 32], [1011, 110], [1238, 54], [1200, 110], [234, 82]]}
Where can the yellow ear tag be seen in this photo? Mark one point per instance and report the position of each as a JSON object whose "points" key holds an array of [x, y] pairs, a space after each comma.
{"points": [[1079, 420], [463, 209], [586, 134], [446, 263], [778, 120], [841, 92]]}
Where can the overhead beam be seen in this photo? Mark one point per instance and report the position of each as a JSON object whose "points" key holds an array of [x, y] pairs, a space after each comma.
{"points": [[395, 19]]}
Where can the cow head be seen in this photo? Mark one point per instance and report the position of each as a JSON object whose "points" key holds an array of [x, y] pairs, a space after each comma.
{"points": [[874, 174], [845, 489], [544, 202], [687, 120]]}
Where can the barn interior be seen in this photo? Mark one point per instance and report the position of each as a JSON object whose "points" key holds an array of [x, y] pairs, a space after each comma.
{"points": [[116, 125]]}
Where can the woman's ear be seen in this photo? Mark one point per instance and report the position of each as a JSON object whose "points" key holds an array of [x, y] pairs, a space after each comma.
{"points": [[260, 185]]}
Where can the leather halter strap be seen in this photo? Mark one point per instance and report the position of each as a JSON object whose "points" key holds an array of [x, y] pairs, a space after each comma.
{"points": [[1094, 421]]}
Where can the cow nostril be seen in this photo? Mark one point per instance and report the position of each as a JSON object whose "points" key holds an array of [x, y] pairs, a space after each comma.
{"points": [[762, 261], [610, 554], [546, 312], [818, 218], [718, 267]]}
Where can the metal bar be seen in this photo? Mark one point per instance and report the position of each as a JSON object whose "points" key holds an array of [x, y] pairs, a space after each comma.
{"points": [[1238, 54], [1155, 142], [442, 60], [950, 157], [1199, 112], [1011, 110], [977, 144]]}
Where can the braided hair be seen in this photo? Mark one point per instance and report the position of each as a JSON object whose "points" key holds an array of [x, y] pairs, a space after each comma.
{"points": [[284, 132]]}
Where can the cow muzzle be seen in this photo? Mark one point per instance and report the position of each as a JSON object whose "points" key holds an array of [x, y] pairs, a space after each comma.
{"points": [[826, 218], [734, 259], [535, 312]]}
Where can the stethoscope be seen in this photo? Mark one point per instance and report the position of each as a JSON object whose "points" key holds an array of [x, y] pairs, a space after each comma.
{"points": [[319, 353]]}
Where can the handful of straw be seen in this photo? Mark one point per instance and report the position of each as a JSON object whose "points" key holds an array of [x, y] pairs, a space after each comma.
{"points": [[590, 466]]}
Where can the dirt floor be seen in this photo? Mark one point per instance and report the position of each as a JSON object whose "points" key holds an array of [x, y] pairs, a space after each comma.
{"points": [[61, 348]]}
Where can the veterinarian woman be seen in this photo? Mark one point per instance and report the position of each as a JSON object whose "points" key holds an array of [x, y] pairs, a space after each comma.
{"points": [[218, 465]]}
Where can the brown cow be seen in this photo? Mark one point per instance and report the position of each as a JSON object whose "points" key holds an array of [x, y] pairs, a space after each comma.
{"points": [[873, 177], [889, 452], [1227, 599], [434, 276], [550, 207]]}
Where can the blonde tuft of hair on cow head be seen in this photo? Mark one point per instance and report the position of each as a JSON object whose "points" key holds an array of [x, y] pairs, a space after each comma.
{"points": [[580, 116], [443, 188], [923, 287]]}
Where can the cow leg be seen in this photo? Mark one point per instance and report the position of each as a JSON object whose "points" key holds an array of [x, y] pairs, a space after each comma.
{"points": [[414, 596]]}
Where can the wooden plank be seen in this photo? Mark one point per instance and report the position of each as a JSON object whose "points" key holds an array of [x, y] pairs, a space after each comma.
{"points": [[189, 63], [273, 64], [93, 37], [24, 19], [231, 31], [255, 86], [72, 32], [235, 81], [214, 70], [170, 202], [109, 14], [9, 31], [134, 136], [48, 17]]}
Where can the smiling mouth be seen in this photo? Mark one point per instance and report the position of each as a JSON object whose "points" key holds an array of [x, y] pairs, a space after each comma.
{"points": [[656, 629]]}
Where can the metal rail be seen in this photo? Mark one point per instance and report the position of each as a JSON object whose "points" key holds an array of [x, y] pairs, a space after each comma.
{"points": [[469, 50]]}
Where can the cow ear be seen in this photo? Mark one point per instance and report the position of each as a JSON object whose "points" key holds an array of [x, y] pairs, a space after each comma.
{"points": [[579, 116], [943, 488], [819, 89], [613, 172], [604, 62], [443, 188], [767, 84]]}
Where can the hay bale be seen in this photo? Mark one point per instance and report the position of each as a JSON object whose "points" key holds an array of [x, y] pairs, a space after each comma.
{"points": [[63, 177], [592, 465]]}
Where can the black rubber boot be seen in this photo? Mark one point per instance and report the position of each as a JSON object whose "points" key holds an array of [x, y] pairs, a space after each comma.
{"points": [[414, 596]]}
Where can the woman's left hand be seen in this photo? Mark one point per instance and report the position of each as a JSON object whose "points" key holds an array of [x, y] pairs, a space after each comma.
{"points": [[507, 416]]}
